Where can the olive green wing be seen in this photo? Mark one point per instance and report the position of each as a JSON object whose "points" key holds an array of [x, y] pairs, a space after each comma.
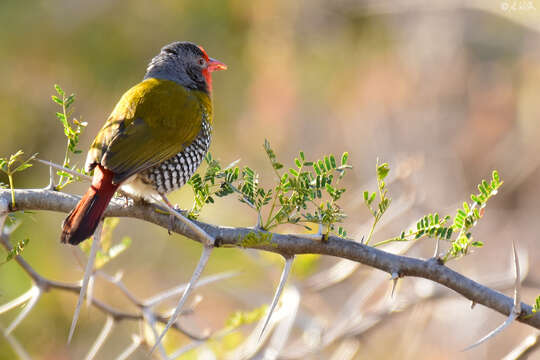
{"points": [[153, 121]]}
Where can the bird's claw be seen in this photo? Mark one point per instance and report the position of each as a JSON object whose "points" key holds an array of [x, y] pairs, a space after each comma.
{"points": [[171, 217]]}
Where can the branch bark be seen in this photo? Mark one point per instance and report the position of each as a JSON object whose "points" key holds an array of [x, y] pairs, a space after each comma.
{"points": [[290, 244]]}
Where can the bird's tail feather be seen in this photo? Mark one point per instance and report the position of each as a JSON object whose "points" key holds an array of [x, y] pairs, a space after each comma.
{"points": [[83, 220]]}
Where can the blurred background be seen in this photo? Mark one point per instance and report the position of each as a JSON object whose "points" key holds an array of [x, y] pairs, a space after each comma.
{"points": [[444, 91]]}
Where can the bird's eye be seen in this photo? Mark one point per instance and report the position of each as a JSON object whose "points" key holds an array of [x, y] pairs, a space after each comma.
{"points": [[201, 62]]}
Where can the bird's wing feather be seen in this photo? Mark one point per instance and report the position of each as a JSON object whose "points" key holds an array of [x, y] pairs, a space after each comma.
{"points": [[153, 121]]}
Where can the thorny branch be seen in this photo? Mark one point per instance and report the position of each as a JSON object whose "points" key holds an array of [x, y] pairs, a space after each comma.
{"points": [[286, 245], [146, 306]]}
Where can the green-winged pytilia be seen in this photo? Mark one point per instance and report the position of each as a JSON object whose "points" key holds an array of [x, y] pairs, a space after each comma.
{"points": [[155, 138]]}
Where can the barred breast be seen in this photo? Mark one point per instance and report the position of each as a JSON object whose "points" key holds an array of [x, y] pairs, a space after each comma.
{"points": [[173, 173]]}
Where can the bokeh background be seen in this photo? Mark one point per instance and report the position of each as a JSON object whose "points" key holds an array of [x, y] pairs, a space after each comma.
{"points": [[445, 91]]}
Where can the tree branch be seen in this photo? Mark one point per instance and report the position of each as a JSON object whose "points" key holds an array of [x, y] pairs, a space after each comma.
{"points": [[291, 244]]}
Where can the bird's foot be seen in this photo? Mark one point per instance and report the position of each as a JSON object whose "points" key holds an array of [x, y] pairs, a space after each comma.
{"points": [[172, 217]]}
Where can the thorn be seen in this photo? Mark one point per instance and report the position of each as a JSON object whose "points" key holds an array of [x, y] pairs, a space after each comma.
{"points": [[90, 291], [517, 287], [394, 278], [320, 232], [147, 314], [318, 236], [207, 250], [259, 221], [516, 308], [500, 328], [284, 275], [87, 274], [436, 253], [51, 180], [69, 171]]}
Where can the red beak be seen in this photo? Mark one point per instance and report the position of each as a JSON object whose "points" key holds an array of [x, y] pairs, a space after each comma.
{"points": [[214, 65]]}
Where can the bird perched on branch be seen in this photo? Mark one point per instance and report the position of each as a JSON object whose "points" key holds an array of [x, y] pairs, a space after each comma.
{"points": [[155, 138]]}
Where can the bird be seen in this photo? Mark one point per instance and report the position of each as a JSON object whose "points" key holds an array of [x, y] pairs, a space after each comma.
{"points": [[155, 138]]}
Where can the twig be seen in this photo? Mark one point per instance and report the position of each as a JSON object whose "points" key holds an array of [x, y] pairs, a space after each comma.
{"points": [[35, 294], [101, 338], [135, 343], [291, 244], [17, 348]]}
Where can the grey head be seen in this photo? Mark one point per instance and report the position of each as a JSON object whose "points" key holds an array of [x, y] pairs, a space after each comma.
{"points": [[182, 62]]}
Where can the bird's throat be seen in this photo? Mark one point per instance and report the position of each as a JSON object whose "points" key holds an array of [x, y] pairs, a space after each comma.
{"points": [[208, 77]]}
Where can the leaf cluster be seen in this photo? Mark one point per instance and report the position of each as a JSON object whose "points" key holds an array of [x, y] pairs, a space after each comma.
{"points": [[304, 193], [383, 201], [16, 250], [13, 164], [436, 226], [469, 214], [72, 131], [216, 181]]}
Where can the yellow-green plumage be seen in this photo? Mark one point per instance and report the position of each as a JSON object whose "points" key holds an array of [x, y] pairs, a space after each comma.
{"points": [[155, 121]]}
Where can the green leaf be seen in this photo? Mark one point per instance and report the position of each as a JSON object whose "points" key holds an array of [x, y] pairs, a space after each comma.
{"points": [[59, 90], [344, 158], [327, 163], [382, 171], [57, 100], [333, 161], [317, 169], [495, 177]]}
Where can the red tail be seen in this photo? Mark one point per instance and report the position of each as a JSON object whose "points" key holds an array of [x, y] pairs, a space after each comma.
{"points": [[82, 221]]}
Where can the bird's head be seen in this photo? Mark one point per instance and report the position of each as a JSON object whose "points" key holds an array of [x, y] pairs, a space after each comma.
{"points": [[186, 64]]}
